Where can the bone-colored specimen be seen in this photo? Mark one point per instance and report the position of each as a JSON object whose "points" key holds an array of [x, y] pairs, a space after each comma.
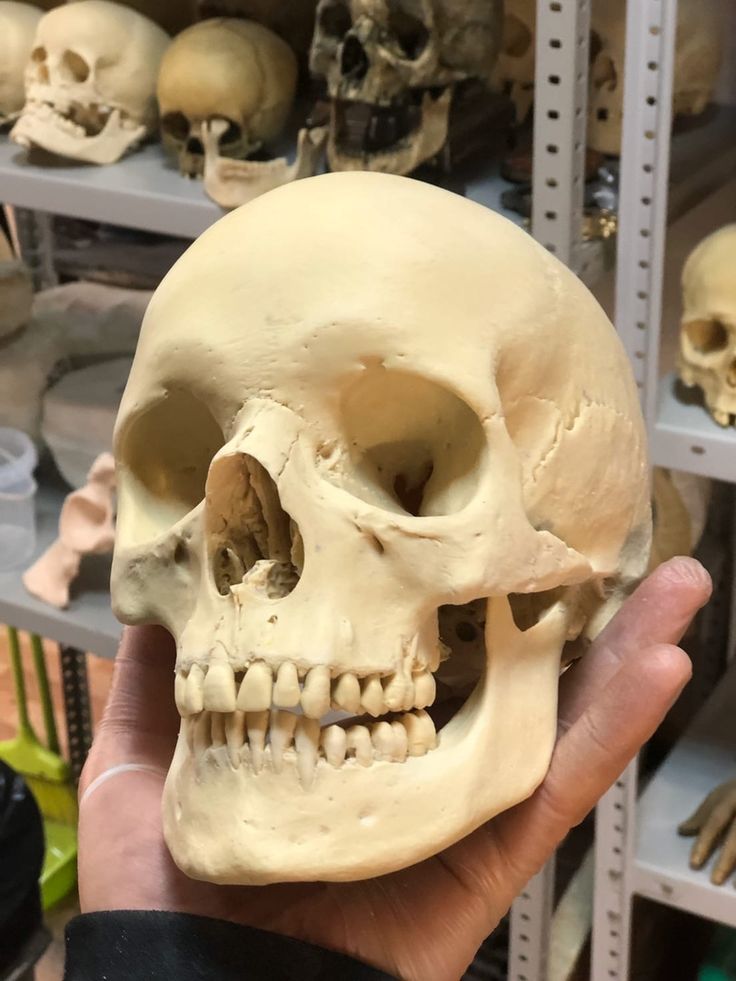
{"points": [[86, 527], [18, 22], [90, 82], [370, 425]]}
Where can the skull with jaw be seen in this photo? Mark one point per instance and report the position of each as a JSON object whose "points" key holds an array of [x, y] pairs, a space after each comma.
{"points": [[317, 469], [18, 23], [91, 82], [230, 70], [390, 68], [708, 335]]}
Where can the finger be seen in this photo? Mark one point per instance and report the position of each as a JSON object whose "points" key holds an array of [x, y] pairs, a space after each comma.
{"points": [[657, 613], [727, 860], [711, 833], [696, 821]]}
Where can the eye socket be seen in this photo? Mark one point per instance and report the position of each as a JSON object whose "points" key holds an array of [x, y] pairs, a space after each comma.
{"points": [[517, 38], [175, 125], [38, 54], [707, 336], [410, 33], [335, 20], [232, 134], [74, 66]]}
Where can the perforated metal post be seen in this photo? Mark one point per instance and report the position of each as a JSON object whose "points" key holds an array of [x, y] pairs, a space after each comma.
{"points": [[77, 710], [650, 49]]}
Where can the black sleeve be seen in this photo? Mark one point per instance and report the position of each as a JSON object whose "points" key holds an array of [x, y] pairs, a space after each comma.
{"points": [[148, 945]]}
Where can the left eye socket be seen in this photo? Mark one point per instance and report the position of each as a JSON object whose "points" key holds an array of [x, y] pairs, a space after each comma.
{"points": [[410, 33], [707, 336]]}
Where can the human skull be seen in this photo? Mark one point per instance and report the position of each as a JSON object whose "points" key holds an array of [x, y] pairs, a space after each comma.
{"points": [[390, 67], [17, 27], [227, 69], [708, 334], [91, 81], [322, 488], [697, 64], [515, 67]]}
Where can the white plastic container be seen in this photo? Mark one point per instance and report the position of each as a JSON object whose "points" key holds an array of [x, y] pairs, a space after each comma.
{"points": [[18, 459]]}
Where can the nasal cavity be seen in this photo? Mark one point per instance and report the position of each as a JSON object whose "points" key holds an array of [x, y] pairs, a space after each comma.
{"points": [[354, 62], [251, 539], [194, 146]]}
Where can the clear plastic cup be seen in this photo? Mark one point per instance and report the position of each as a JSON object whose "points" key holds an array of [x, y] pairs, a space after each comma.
{"points": [[18, 459]]}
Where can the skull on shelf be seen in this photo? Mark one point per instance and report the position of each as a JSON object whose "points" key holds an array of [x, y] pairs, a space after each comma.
{"points": [[708, 334], [91, 82], [390, 67], [230, 70], [326, 491], [515, 67], [18, 23]]}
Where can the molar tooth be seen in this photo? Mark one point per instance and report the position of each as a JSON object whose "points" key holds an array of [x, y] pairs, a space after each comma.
{"points": [[359, 740], [193, 692], [306, 739], [180, 693], [382, 737], [281, 736], [420, 732], [218, 730], [316, 693], [425, 690], [334, 744], [286, 692], [257, 723], [219, 688], [372, 696], [202, 727], [235, 735], [398, 692], [401, 741], [346, 693], [256, 688]]}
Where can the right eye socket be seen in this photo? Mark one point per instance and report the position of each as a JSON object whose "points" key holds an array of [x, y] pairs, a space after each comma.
{"points": [[707, 336], [335, 20]]}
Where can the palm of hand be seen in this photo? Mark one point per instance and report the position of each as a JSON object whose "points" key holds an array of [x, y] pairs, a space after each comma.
{"points": [[426, 921]]}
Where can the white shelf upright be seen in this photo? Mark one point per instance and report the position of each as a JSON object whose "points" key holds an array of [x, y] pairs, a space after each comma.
{"points": [[558, 176]]}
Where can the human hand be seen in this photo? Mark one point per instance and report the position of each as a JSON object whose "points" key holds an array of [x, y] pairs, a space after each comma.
{"points": [[714, 822], [426, 922]]}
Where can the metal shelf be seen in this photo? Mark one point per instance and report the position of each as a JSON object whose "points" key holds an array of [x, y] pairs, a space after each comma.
{"points": [[704, 757]]}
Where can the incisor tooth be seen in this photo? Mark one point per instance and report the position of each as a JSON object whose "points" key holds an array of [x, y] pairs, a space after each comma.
{"points": [[281, 736], [359, 740], [316, 693], [346, 693], [193, 692], [401, 741], [235, 735], [382, 737], [257, 724], [372, 696], [398, 693], [286, 692], [425, 690], [334, 744], [420, 732], [219, 688], [256, 688], [180, 693], [306, 740], [202, 732]]}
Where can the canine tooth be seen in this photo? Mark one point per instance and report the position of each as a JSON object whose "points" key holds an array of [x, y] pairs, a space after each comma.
{"points": [[420, 732], [218, 729], [286, 692], [193, 693], [346, 693], [257, 724], [359, 740], [235, 735], [256, 688], [281, 736], [382, 737], [334, 744], [219, 688], [316, 693], [425, 690], [401, 741], [202, 728], [180, 693], [372, 696], [306, 740]]}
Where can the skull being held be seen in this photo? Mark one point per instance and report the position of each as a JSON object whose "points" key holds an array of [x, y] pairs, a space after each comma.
{"points": [[18, 23], [340, 460], [91, 81], [708, 336], [230, 70], [390, 67]]}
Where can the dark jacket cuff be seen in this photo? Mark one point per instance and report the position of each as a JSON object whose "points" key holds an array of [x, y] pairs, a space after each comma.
{"points": [[133, 945]]}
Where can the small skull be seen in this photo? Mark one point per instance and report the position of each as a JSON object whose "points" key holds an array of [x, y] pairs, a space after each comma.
{"points": [[515, 67], [390, 67], [327, 491], [230, 70], [708, 335], [91, 82], [18, 22]]}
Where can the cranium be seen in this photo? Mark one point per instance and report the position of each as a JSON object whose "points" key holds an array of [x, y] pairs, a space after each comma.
{"points": [[323, 487], [516, 61], [91, 81], [17, 27], [230, 70], [390, 68], [708, 335]]}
